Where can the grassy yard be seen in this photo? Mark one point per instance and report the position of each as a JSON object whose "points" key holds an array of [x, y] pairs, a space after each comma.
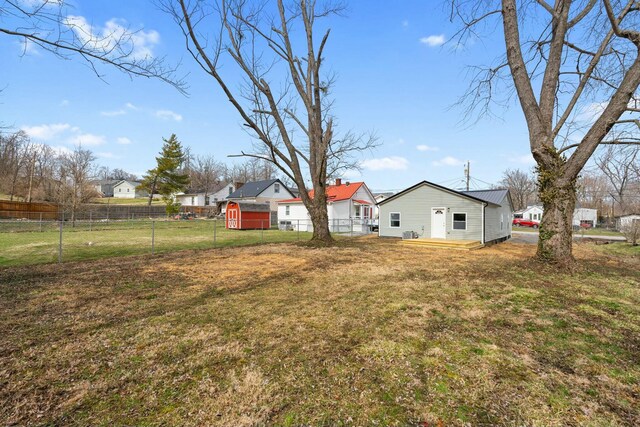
{"points": [[123, 201], [365, 333], [586, 232], [22, 243]]}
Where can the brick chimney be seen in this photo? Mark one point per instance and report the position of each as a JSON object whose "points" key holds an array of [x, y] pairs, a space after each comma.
{"points": [[338, 182]]}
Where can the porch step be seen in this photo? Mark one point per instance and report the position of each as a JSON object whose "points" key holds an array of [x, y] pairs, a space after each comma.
{"points": [[443, 243]]}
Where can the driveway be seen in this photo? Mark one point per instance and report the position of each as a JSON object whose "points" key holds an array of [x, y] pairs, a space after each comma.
{"points": [[531, 237]]}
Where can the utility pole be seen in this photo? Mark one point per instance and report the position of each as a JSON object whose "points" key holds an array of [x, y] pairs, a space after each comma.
{"points": [[467, 173]]}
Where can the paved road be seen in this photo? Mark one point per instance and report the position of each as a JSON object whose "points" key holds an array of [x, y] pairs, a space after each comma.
{"points": [[532, 237]]}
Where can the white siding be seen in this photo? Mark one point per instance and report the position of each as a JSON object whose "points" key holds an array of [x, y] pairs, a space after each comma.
{"points": [[584, 214], [498, 221], [127, 190], [415, 213]]}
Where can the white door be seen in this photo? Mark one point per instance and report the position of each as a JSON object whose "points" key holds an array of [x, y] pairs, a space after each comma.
{"points": [[233, 219], [438, 223]]}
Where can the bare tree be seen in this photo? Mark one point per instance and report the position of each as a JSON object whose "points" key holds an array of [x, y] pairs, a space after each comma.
{"points": [[593, 191], [15, 155], [206, 173], [620, 166], [578, 55], [49, 25], [521, 185], [76, 172], [284, 98]]}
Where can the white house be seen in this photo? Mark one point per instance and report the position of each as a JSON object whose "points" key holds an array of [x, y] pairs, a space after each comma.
{"points": [[104, 187], [267, 191], [200, 198], [350, 206], [532, 213], [627, 220], [127, 190], [431, 211], [583, 217]]}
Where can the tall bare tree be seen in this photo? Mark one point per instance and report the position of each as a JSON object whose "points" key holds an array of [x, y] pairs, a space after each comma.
{"points": [[283, 98], [76, 172], [49, 25], [620, 167], [521, 185], [563, 59]]}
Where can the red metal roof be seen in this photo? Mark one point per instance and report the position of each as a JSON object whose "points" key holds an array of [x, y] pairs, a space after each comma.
{"points": [[335, 193], [362, 202]]}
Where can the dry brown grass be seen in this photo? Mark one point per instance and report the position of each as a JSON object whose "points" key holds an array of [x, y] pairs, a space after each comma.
{"points": [[368, 332]]}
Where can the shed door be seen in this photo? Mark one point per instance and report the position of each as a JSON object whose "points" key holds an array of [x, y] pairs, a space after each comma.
{"points": [[233, 218], [438, 223]]}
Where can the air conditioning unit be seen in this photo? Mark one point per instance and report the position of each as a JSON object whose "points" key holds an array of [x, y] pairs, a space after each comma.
{"points": [[409, 235]]}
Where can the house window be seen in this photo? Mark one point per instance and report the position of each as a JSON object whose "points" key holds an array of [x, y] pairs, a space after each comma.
{"points": [[193, 201], [128, 189], [459, 221], [206, 200], [276, 188], [286, 210], [357, 211], [394, 219], [230, 190], [119, 190]]}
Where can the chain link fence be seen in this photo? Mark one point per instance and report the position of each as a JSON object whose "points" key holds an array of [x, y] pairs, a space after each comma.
{"points": [[34, 241]]}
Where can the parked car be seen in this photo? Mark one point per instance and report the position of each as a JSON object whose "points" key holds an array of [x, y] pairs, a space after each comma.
{"points": [[521, 222]]}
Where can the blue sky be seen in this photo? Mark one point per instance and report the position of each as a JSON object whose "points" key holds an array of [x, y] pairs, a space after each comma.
{"points": [[394, 78]]}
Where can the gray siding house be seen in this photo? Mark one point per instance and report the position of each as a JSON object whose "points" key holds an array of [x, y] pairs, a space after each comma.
{"points": [[437, 212]]}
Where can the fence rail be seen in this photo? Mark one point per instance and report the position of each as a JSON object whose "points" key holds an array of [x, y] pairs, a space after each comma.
{"points": [[26, 241]]}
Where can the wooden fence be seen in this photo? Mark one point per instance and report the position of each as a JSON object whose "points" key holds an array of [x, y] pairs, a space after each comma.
{"points": [[32, 211]]}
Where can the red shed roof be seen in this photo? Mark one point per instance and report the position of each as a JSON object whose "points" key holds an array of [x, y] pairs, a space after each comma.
{"points": [[335, 193]]}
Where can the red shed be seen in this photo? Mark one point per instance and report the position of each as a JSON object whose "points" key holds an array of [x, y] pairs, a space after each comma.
{"points": [[248, 215]]}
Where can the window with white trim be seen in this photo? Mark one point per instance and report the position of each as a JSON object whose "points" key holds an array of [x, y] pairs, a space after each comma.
{"points": [[394, 220], [286, 210], [357, 211], [459, 221], [276, 188]]}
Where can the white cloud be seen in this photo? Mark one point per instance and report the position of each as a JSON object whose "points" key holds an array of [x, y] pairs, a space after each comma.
{"points": [[63, 132], [65, 103], [351, 174], [123, 140], [114, 37], [448, 161], [168, 115], [390, 163], [526, 159], [113, 113], [423, 147], [130, 106], [434, 40], [46, 132], [87, 139]]}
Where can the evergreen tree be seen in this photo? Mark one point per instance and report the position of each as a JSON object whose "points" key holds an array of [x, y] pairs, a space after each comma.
{"points": [[168, 177]]}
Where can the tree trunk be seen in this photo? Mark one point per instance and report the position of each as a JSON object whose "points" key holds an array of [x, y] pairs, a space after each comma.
{"points": [[317, 208], [558, 197]]}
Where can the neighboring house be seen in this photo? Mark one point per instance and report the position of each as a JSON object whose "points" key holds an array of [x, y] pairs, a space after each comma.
{"points": [[379, 198], [127, 190], [350, 206], [532, 213], [248, 215], [584, 217], [627, 220], [267, 191], [437, 212], [201, 198], [105, 187]]}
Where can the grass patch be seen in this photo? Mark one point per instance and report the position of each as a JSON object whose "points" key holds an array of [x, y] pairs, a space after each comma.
{"points": [[23, 243], [366, 332]]}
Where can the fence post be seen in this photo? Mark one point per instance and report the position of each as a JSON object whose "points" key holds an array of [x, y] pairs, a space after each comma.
{"points": [[298, 228], [350, 227], [60, 244], [262, 230], [41, 222], [215, 230], [153, 237]]}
